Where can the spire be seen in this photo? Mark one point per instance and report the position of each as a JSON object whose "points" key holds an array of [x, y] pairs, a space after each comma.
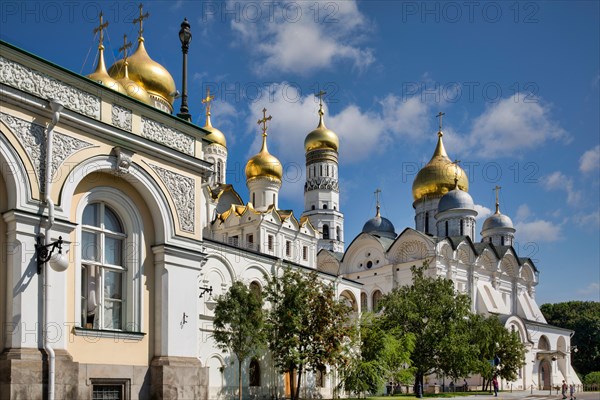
{"points": [[263, 121], [440, 151], [140, 20], [321, 112], [377, 192], [207, 101], [440, 115], [497, 189]]}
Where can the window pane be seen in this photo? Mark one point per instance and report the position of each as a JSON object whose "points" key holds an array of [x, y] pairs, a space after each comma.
{"points": [[90, 215], [113, 283], [111, 222], [112, 250], [112, 314], [89, 246]]}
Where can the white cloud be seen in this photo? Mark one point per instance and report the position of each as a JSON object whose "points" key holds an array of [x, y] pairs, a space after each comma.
{"points": [[302, 37], [559, 181], [538, 231], [512, 126], [592, 290], [482, 212], [590, 160], [591, 220], [523, 212], [409, 117]]}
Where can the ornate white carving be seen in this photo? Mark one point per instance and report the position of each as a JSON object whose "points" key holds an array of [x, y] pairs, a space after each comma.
{"points": [[41, 85], [123, 159], [216, 149], [322, 183], [33, 139], [121, 117], [182, 191], [168, 136], [411, 251]]}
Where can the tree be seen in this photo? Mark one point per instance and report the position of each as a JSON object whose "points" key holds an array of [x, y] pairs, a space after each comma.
{"points": [[498, 350], [238, 324], [584, 318], [382, 357], [307, 326], [430, 310], [593, 378]]}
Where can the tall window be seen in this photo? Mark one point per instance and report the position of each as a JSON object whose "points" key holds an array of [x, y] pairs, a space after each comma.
{"points": [[219, 172], [305, 253], [254, 371], [376, 300], [270, 242], [426, 222], [288, 248], [338, 233], [363, 301], [325, 231], [462, 227], [103, 269]]}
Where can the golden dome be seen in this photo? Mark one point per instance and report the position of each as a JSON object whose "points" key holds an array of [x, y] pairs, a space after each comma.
{"points": [[101, 76], [152, 76], [264, 165], [437, 177], [215, 135], [321, 138], [133, 89]]}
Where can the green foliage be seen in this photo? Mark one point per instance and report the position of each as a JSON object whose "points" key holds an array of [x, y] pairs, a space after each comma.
{"points": [[593, 378], [584, 318], [490, 338], [430, 310], [306, 324], [238, 324]]}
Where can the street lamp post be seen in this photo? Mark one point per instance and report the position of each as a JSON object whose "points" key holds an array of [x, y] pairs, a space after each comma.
{"points": [[185, 36]]}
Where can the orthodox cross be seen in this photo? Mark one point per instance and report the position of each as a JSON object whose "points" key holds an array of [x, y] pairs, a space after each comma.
{"points": [[207, 101], [125, 47], [264, 120], [141, 19], [440, 115], [377, 192], [497, 189], [101, 29], [320, 96]]}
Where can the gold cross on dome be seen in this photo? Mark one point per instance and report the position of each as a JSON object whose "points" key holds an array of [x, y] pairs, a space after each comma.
{"points": [[141, 19], [320, 96], [497, 189], [264, 120], [125, 46], [207, 101], [100, 28], [440, 115]]}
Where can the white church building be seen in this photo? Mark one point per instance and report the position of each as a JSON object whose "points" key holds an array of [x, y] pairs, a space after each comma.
{"points": [[119, 231]]}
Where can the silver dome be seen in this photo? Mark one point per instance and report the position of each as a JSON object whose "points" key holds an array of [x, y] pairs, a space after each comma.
{"points": [[497, 221], [380, 226], [456, 199]]}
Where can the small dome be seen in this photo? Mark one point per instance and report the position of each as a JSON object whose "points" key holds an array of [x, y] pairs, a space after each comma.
{"points": [[264, 165], [437, 177], [321, 138], [456, 199], [101, 76], [497, 220], [152, 76], [215, 135], [381, 226]]}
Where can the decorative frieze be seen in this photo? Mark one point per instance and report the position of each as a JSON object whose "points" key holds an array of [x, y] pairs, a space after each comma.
{"points": [[322, 183], [168, 136], [33, 139], [121, 117], [43, 86], [182, 190]]}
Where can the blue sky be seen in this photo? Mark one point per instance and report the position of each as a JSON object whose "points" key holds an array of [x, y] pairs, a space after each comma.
{"points": [[519, 83]]}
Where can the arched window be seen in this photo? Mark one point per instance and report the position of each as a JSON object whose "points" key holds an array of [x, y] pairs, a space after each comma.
{"points": [[219, 171], [320, 376], [313, 207], [462, 227], [426, 222], [109, 280], [254, 372], [446, 223], [253, 198], [544, 344], [256, 289], [325, 231], [273, 198], [376, 300], [324, 206], [363, 301], [338, 233]]}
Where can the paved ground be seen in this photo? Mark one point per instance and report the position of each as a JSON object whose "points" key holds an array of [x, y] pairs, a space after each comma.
{"points": [[527, 395]]}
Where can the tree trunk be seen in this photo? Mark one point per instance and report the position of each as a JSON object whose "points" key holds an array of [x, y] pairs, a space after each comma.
{"points": [[297, 394], [240, 378]]}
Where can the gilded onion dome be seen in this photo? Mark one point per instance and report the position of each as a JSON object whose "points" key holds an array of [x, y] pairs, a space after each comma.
{"points": [[264, 165], [100, 75], [437, 177], [132, 88], [321, 138], [214, 135]]}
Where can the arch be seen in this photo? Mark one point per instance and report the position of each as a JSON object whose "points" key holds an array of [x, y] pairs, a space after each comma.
{"points": [[561, 344], [348, 298], [325, 231], [464, 253], [216, 365], [412, 250], [376, 299], [254, 373], [527, 273], [256, 288], [15, 174], [544, 375], [139, 178], [544, 343], [363, 301]]}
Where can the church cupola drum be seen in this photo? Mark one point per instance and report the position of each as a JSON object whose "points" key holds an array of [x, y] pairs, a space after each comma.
{"points": [[321, 190]]}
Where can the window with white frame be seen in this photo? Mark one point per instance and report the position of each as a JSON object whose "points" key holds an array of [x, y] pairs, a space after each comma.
{"points": [[109, 280]]}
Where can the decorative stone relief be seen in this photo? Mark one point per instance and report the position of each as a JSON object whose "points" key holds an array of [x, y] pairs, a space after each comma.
{"points": [[41, 85], [322, 183], [33, 138], [168, 136], [121, 117], [413, 250], [123, 159], [182, 191]]}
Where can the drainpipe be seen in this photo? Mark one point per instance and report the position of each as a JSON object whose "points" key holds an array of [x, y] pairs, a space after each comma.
{"points": [[57, 108]]}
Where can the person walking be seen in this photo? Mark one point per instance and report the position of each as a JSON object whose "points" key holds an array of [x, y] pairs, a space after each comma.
{"points": [[572, 391], [495, 384], [564, 390]]}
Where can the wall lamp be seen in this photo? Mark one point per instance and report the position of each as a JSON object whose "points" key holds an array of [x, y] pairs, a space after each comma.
{"points": [[45, 253], [205, 289]]}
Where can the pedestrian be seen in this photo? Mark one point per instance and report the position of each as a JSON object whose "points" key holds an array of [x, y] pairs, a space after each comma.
{"points": [[466, 385], [564, 390], [572, 391], [495, 384]]}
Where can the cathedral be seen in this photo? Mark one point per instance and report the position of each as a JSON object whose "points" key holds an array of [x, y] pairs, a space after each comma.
{"points": [[119, 232]]}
